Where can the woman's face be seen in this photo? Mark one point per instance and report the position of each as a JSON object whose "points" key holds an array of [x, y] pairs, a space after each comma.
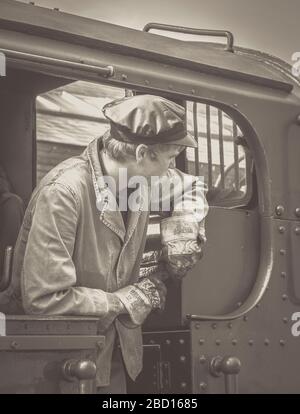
{"points": [[157, 163]]}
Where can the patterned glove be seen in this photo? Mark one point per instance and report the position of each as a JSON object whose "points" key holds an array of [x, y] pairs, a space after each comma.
{"points": [[181, 245], [154, 289], [141, 298]]}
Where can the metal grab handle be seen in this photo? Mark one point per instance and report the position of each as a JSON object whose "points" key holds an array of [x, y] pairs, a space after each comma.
{"points": [[5, 277], [230, 367], [80, 370], [106, 71], [192, 31]]}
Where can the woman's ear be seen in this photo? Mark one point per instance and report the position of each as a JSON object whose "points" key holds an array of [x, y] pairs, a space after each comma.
{"points": [[141, 152]]}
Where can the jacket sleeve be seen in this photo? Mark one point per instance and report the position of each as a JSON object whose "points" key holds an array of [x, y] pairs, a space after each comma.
{"points": [[48, 279]]}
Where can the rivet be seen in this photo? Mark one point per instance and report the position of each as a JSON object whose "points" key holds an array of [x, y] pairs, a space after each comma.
{"points": [[201, 341], [170, 86], [203, 385], [182, 358], [14, 345], [234, 342], [229, 325], [283, 274], [257, 305], [279, 210], [124, 77], [214, 326], [239, 304], [56, 8], [100, 344], [202, 359], [183, 385], [151, 342], [218, 342], [285, 320], [193, 91], [181, 341], [284, 297], [251, 342], [168, 342], [245, 318], [297, 212], [267, 342], [297, 231], [282, 252], [147, 82], [281, 229], [197, 325], [282, 342]]}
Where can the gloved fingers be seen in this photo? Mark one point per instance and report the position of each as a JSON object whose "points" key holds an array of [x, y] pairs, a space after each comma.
{"points": [[180, 264], [138, 304], [162, 291], [154, 289], [160, 287]]}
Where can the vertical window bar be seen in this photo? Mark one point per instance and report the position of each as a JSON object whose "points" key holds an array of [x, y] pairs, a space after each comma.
{"points": [[209, 156], [236, 158], [221, 146], [248, 168], [196, 150]]}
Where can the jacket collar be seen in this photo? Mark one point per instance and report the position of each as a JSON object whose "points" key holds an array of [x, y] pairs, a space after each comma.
{"points": [[112, 219]]}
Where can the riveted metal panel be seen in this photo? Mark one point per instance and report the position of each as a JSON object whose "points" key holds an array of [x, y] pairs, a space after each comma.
{"points": [[50, 325], [225, 275], [41, 372], [41, 343], [262, 339], [166, 363]]}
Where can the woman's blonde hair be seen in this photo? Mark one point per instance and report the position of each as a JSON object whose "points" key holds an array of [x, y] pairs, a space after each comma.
{"points": [[120, 151]]}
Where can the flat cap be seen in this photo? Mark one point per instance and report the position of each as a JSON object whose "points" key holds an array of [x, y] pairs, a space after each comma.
{"points": [[148, 119]]}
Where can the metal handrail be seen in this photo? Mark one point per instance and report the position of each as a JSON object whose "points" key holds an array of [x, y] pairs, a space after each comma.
{"points": [[193, 31], [106, 71]]}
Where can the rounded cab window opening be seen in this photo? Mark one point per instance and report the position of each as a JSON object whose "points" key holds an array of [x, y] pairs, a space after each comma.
{"points": [[221, 157]]}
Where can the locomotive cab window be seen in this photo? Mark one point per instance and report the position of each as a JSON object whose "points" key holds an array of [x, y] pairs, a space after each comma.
{"points": [[222, 158]]}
